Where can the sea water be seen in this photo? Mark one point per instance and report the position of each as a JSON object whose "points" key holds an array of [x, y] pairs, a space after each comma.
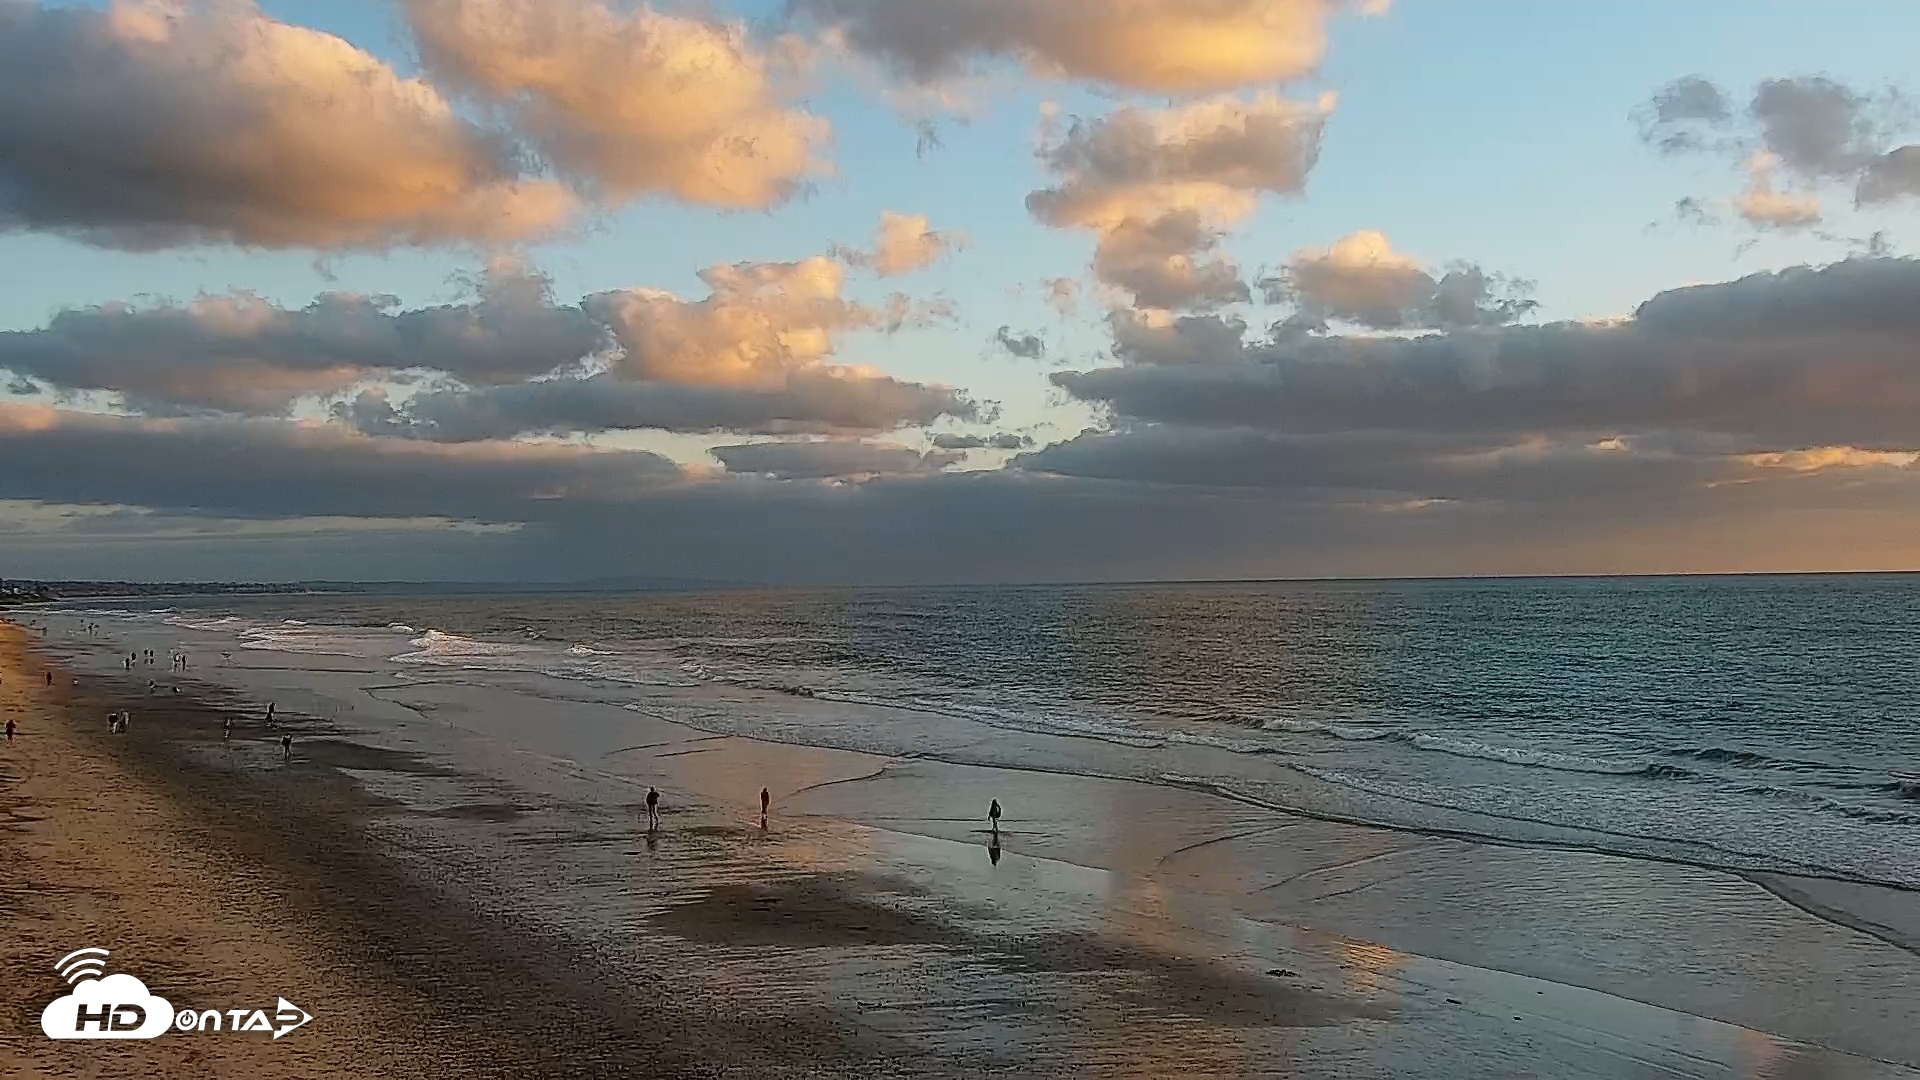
{"points": [[1759, 723]]}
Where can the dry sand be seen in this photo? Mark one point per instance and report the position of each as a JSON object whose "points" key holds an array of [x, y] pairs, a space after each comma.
{"points": [[456, 880]]}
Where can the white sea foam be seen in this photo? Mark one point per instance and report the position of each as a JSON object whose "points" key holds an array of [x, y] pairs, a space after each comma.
{"points": [[223, 623], [437, 648], [1515, 755]]}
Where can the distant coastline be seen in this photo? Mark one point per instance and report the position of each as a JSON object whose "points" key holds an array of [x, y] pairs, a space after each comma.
{"points": [[19, 592]]}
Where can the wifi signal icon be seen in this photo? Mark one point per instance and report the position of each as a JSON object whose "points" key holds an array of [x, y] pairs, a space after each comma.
{"points": [[82, 964]]}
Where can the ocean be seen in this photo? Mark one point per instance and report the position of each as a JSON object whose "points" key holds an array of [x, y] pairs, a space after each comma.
{"points": [[1749, 723]]}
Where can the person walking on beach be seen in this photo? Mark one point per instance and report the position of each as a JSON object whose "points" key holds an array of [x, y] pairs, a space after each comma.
{"points": [[653, 809], [286, 746], [49, 678], [269, 714], [993, 816], [765, 798], [10, 727]]}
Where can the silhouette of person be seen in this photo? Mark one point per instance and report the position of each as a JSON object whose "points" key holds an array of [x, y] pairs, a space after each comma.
{"points": [[269, 714], [765, 798], [286, 746], [993, 848], [49, 678], [993, 816], [10, 726], [653, 809]]}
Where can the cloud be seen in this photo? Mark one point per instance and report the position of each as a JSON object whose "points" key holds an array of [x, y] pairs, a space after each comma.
{"points": [[125, 995], [1158, 187], [1808, 131], [228, 496], [1062, 294], [1024, 346], [1003, 441], [629, 103], [1156, 337], [761, 322], [1788, 360], [1362, 280], [832, 459], [753, 357], [1682, 113], [905, 243], [269, 469], [1822, 458], [1815, 126], [1159, 46], [1169, 262], [827, 402], [152, 124], [1893, 175], [242, 353], [1201, 156], [1764, 207]]}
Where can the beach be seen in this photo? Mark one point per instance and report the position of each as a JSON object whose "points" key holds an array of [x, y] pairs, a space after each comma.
{"points": [[452, 872]]}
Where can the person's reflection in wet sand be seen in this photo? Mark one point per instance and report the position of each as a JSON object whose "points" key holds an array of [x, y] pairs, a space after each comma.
{"points": [[653, 840], [993, 847]]}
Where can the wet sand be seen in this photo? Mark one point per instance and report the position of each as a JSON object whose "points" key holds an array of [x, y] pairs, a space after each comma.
{"points": [[457, 879]]}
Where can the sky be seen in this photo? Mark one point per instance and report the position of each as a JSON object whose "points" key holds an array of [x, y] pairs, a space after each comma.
{"points": [[885, 291]]}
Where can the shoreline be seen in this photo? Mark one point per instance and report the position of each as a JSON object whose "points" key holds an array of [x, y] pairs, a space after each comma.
{"points": [[878, 861], [403, 979]]}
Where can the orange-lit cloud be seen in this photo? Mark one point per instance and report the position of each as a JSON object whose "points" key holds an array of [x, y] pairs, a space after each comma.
{"points": [[630, 102], [1159, 186], [1763, 206], [1362, 280], [1162, 46], [150, 124], [904, 243], [1821, 458], [761, 322]]}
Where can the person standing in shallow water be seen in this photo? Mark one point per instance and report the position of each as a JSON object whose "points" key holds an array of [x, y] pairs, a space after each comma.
{"points": [[993, 816], [286, 746], [765, 798], [653, 809], [10, 727]]}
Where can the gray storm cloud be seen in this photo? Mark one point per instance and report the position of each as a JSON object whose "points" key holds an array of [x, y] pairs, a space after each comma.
{"points": [[1796, 358], [243, 353], [808, 403]]}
